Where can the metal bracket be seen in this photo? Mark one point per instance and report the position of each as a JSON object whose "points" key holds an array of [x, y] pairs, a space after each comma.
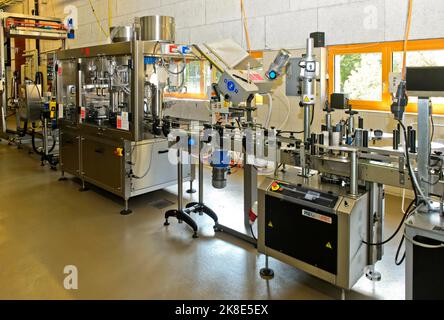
{"points": [[401, 170]]}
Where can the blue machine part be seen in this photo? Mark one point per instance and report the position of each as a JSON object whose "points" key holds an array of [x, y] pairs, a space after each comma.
{"points": [[71, 32], [150, 60], [220, 159], [272, 75], [184, 49], [231, 86]]}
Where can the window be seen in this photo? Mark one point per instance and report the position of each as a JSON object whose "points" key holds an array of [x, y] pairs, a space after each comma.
{"points": [[359, 75], [193, 77], [195, 81], [362, 71]]}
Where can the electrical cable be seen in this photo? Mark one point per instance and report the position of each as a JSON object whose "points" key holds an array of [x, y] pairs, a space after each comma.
{"points": [[403, 201], [415, 185], [149, 167], [398, 263], [183, 69], [97, 19], [311, 123], [432, 135], [270, 110], [252, 232], [34, 147], [110, 14], [397, 229], [245, 24], [406, 39]]}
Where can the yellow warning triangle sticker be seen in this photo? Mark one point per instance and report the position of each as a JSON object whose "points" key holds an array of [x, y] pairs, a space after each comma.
{"points": [[328, 245], [270, 224], [306, 99]]}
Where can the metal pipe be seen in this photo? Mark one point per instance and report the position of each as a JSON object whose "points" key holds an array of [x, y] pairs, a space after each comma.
{"points": [[307, 118], [353, 173], [351, 124], [395, 139], [328, 121], [179, 179], [45, 137], [313, 142], [412, 141], [3, 83], [380, 220], [360, 123], [201, 173], [423, 162], [310, 48], [365, 139]]}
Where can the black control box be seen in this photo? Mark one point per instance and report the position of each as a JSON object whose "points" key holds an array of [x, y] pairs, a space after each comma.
{"points": [[339, 101], [319, 39]]}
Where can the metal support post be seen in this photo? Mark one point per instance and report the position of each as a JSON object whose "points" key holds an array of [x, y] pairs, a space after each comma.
{"points": [[354, 173]]}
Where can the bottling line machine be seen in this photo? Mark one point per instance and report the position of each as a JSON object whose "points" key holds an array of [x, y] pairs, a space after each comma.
{"points": [[324, 212], [111, 98]]}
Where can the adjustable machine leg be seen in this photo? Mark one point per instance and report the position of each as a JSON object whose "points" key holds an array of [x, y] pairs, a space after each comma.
{"points": [[63, 178], [126, 211], [266, 272], [83, 188]]}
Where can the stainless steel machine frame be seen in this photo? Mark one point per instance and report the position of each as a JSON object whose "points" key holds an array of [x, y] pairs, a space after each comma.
{"points": [[125, 162]]}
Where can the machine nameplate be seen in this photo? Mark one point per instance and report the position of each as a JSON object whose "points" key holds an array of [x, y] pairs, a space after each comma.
{"points": [[317, 216]]}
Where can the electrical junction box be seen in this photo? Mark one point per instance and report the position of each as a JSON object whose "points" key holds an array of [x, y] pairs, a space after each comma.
{"points": [[293, 78], [319, 39]]}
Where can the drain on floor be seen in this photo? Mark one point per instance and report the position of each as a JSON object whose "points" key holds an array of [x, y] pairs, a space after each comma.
{"points": [[160, 204]]}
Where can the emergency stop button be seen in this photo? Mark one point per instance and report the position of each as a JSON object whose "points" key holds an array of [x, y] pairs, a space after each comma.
{"points": [[118, 152]]}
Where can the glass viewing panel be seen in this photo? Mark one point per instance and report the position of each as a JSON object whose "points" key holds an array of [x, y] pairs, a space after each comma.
{"points": [[106, 92], [66, 89]]}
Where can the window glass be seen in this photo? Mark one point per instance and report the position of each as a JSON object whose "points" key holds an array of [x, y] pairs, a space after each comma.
{"points": [[429, 58], [359, 75], [419, 59], [193, 74]]}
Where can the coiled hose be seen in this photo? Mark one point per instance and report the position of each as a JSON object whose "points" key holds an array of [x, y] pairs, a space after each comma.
{"points": [[41, 153]]}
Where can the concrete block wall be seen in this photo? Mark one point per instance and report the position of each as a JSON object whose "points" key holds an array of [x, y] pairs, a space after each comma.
{"points": [[272, 24]]}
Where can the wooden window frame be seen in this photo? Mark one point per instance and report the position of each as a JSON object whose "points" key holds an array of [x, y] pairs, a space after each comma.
{"points": [[387, 49]]}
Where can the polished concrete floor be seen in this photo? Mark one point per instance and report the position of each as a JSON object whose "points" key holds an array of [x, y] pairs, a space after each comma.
{"points": [[46, 225]]}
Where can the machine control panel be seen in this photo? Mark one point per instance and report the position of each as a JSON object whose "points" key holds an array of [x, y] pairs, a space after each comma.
{"points": [[303, 193]]}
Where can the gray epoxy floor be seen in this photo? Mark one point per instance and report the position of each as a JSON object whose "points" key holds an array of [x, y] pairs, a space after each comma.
{"points": [[46, 224]]}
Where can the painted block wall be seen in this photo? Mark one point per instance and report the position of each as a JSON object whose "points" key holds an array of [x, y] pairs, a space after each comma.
{"points": [[272, 24]]}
